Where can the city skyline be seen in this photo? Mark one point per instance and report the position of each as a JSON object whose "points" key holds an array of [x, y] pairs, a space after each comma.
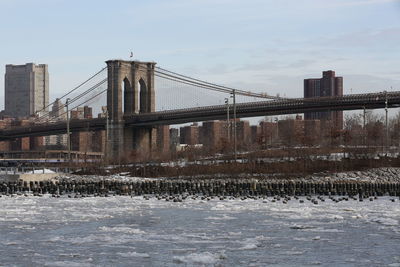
{"points": [[200, 133], [259, 46]]}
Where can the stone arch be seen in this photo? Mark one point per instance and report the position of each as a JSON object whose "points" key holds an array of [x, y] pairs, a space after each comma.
{"points": [[143, 96], [127, 95]]}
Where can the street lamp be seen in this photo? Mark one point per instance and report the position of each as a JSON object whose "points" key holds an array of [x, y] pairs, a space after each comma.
{"points": [[68, 134], [228, 124], [107, 136], [364, 130], [386, 123], [277, 130], [234, 122]]}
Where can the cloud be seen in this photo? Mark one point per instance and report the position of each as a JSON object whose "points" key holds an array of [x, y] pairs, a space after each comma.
{"points": [[363, 2], [346, 3], [360, 83], [387, 36], [267, 65], [301, 63]]}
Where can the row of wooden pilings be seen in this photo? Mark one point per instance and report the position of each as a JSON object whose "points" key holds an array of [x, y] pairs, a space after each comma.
{"points": [[203, 187]]}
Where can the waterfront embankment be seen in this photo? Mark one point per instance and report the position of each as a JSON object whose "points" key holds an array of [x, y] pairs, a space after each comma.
{"points": [[370, 183]]}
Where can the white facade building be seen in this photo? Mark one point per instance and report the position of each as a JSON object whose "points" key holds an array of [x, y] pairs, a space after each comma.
{"points": [[26, 89]]}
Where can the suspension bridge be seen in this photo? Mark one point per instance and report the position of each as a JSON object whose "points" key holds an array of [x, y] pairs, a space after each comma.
{"points": [[133, 108]]}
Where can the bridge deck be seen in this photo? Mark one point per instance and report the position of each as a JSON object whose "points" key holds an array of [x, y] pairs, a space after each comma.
{"points": [[253, 109]]}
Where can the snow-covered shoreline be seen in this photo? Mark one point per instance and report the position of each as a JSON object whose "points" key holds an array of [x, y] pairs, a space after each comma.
{"points": [[374, 175]]}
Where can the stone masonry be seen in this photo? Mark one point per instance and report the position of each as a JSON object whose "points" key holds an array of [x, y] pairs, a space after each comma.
{"points": [[130, 91]]}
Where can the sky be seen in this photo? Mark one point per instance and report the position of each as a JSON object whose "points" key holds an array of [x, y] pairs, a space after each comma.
{"points": [[260, 45]]}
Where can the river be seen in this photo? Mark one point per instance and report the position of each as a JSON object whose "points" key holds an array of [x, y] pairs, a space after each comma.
{"points": [[125, 231]]}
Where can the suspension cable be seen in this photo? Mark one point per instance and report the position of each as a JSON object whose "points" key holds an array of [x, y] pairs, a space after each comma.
{"points": [[76, 98], [74, 89], [228, 89], [93, 97]]}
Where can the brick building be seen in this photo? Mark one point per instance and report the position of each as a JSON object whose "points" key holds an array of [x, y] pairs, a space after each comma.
{"points": [[312, 131], [82, 141], [20, 144], [86, 141], [5, 145], [328, 85], [173, 138], [189, 135], [242, 133], [291, 131], [212, 133], [78, 113], [99, 141], [268, 132], [255, 132], [87, 112]]}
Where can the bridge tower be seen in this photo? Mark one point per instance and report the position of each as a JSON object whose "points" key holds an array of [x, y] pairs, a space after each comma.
{"points": [[130, 91]]}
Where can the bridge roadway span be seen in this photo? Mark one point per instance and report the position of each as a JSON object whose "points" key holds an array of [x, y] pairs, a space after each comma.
{"points": [[243, 110]]}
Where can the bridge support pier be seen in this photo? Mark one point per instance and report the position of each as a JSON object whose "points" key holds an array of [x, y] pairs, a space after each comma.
{"points": [[124, 140], [142, 140], [115, 144], [130, 91]]}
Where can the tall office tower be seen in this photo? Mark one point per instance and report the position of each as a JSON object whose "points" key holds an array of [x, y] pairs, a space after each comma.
{"points": [[58, 110], [57, 113], [328, 85], [26, 89]]}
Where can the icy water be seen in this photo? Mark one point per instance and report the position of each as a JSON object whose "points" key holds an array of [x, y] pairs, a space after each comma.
{"points": [[124, 231]]}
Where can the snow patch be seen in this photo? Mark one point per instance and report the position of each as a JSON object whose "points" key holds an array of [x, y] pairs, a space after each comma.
{"points": [[199, 258], [126, 230], [134, 254], [43, 171]]}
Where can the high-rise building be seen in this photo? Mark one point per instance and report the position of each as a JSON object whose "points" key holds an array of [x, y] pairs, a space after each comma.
{"points": [[291, 131], [328, 85], [26, 89], [57, 113], [88, 112], [255, 132], [58, 110], [173, 138], [243, 133], [189, 134], [268, 132], [78, 113], [212, 133]]}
